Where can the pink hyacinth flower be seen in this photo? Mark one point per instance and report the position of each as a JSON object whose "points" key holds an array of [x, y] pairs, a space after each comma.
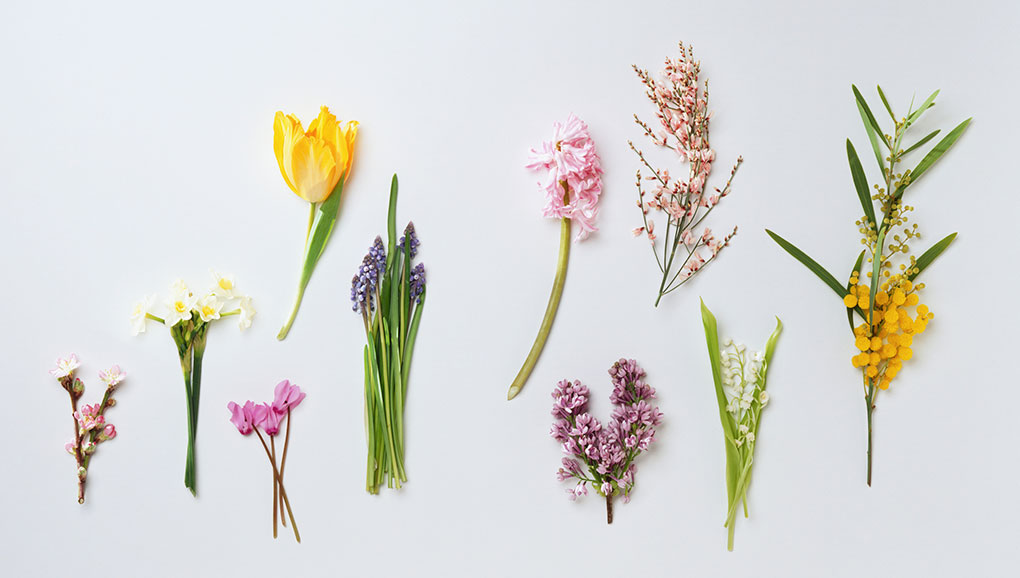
{"points": [[286, 397], [243, 418]]}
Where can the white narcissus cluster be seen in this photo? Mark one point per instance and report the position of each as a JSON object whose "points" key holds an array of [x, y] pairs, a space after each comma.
{"points": [[182, 304]]}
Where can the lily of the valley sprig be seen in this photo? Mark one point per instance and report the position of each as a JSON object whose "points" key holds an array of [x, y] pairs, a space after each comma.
{"points": [[887, 303], [682, 111], [603, 454], [740, 390], [572, 188], [315, 164], [268, 418], [188, 316], [90, 426], [388, 292]]}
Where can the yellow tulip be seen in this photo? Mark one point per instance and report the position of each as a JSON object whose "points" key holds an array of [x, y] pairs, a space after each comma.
{"points": [[312, 162]]}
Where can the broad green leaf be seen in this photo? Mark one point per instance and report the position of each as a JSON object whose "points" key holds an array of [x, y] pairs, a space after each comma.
{"points": [[937, 152], [325, 220], [921, 142], [860, 183], [870, 123], [929, 256], [886, 103], [928, 103], [732, 456], [770, 345], [810, 263], [850, 311]]}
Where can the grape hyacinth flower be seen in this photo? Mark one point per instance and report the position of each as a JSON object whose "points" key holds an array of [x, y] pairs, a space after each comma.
{"points": [[388, 291], [572, 186], [91, 427], [267, 418], [739, 379], [682, 111], [603, 454]]}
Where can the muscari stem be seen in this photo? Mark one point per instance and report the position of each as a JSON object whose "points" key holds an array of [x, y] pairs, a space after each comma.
{"points": [[550, 312]]}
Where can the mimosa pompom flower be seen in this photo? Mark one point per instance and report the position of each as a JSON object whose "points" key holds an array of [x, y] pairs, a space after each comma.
{"points": [[267, 418], [91, 427], [314, 163], [572, 186], [682, 111], [603, 454], [885, 298], [188, 316]]}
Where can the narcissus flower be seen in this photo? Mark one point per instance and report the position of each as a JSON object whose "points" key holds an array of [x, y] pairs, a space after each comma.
{"points": [[312, 162]]}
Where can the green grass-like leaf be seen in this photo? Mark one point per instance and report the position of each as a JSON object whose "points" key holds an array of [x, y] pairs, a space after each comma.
{"points": [[929, 256], [872, 127], [860, 183], [921, 142], [928, 103], [885, 101], [729, 428], [810, 263], [937, 152]]}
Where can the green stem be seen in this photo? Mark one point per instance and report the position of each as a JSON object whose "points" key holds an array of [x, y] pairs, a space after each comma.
{"points": [[550, 312], [870, 400], [306, 275]]}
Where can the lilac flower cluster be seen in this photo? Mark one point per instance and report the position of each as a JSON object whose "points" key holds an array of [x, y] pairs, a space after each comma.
{"points": [[363, 284], [411, 238], [606, 450]]}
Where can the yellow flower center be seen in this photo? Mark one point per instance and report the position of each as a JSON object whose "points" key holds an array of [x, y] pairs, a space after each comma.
{"points": [[180, 307], [226, 284], [208, 311]]}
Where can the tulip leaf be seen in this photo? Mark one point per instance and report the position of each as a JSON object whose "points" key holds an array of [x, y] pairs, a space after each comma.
{"points": [[929, 256], [325, 218], [861, 184], [810, 263]]}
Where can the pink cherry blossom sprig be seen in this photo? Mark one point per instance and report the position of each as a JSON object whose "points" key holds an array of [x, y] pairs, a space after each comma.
{"points": [[603, 454], [682, 111], [90, 426], [572, 186], [268, 418]]}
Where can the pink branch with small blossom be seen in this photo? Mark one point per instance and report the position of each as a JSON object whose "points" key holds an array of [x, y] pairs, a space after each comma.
{"points": [[682, 111], [90, 425]]}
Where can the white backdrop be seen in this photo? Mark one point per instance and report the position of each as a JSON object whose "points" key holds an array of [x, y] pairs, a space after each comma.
{"points": [[136, 148]]}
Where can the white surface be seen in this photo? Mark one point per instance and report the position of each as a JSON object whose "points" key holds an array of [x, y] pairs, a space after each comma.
{"points": [[136, 148]]}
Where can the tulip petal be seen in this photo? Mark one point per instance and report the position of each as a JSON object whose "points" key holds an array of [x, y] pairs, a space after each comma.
{"points": [[312, 169], [286, 129]]}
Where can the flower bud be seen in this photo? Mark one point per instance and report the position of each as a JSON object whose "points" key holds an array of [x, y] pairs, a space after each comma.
{"points": [[79, 386], [89, 449], [111, 402], [81, 472], [109, 432], [69, 446]]}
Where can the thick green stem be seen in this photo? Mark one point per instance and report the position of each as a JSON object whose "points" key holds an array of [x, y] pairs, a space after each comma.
{"points": [[306, 275], [550, 313]]}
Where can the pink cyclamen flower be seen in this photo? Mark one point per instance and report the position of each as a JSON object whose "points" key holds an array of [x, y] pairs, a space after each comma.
{"points": [[573, 184], [88, 418], [65, 367], [113, 376], [267, 418], [286, 397], [243, 418]]}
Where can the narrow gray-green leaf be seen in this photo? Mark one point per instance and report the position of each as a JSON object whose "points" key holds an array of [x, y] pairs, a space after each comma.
{"points": [[921, 142], [928, 103], [885, 102], [929, 256], [869, 119], [810, 263], [860, 183], [937, 152], [873, 139]]}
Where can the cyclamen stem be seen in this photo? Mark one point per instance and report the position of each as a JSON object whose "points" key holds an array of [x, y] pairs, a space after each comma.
{"points": [[283, 492], [550, 312]]}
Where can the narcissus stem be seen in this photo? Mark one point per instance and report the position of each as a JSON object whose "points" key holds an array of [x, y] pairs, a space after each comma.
{"points": [[550, 312]]}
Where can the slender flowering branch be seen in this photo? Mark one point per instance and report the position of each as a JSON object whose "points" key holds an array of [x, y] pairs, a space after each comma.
{"points": [[572, 186], [885, 298], [682, 112], [603, 454], [90, 425]]}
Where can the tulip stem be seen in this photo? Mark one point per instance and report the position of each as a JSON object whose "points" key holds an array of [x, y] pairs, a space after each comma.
{"points": [[311, 219]]}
